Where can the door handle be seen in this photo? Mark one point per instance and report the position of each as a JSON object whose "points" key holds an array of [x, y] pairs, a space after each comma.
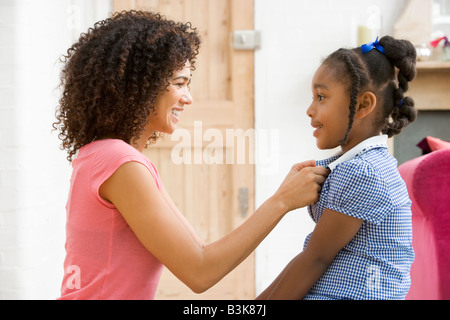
{"points": [[243, 201], [246, 39]]}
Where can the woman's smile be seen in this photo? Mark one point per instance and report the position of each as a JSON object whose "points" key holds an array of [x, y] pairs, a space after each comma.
{"points": [[176, 113]]}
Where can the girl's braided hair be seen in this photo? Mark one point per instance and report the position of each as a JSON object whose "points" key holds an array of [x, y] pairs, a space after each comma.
{"points": [[113, 74], [376, 72]]}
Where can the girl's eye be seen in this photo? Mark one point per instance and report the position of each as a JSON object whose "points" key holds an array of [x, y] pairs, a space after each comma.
{"points": [[319, 97]]}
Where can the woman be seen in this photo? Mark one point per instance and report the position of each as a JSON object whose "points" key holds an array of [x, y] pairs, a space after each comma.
{"points": [[126, 81]]}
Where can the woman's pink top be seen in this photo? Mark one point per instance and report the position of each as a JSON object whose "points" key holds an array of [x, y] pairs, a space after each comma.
{"points": [[104, 258]]}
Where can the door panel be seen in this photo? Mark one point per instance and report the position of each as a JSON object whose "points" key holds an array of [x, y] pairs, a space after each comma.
{"points": [[201, 164]]}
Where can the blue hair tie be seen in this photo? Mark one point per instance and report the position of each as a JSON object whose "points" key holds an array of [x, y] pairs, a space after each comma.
{"points": [[372, 45], [401, 103]]}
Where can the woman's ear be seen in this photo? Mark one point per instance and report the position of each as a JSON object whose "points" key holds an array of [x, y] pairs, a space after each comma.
{"points": [[366, 104]]}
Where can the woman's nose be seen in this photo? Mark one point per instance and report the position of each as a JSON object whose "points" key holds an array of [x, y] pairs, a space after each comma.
{"points": [[186, 98]]}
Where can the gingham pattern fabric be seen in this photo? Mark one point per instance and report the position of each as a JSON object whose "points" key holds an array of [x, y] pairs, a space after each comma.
{"points": [[376, 263]]}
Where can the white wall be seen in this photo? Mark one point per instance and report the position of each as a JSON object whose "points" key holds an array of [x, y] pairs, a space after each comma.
{"points": [[296, 35], [34, 176]]}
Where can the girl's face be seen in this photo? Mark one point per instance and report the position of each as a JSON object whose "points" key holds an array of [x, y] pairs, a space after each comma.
{"points": [[171, 102], [329, 111]]}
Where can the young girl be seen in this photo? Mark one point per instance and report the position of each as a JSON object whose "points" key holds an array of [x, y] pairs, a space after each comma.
{"points": [[361, 245]]}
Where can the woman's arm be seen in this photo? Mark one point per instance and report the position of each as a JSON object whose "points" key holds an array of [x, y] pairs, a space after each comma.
{"points": [[333, 231], [181, 217], [133, 191]]}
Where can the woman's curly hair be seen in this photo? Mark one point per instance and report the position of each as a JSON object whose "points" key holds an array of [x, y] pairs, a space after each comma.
{"points": [[113, 74]]}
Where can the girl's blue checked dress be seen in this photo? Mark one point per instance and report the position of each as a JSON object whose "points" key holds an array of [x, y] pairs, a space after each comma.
{"points": [[364, 183]]}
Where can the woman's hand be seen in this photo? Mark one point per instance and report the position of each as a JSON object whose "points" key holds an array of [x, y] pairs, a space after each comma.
{"points": [[301, 186]]}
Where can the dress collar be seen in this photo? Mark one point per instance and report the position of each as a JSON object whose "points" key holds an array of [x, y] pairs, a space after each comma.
{"points": [[363, 147]]}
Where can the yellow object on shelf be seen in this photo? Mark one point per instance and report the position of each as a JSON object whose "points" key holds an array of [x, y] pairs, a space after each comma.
{"points": [[365, 35]]}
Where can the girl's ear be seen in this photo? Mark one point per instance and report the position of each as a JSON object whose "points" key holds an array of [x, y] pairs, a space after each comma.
{"points": [[366, 104]]}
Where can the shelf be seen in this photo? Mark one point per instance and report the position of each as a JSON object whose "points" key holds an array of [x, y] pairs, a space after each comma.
{"points": [[431, 88], [441, 20], [433, 65]]}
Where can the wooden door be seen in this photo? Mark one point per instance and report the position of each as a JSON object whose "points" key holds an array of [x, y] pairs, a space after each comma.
{"points": [[208, 162]]}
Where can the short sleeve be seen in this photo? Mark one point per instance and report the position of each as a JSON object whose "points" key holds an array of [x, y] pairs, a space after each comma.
{"points": [[358, 190], [109, 159]]}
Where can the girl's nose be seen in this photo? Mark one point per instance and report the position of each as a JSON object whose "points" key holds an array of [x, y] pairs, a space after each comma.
{"points": [[309, 111]]}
